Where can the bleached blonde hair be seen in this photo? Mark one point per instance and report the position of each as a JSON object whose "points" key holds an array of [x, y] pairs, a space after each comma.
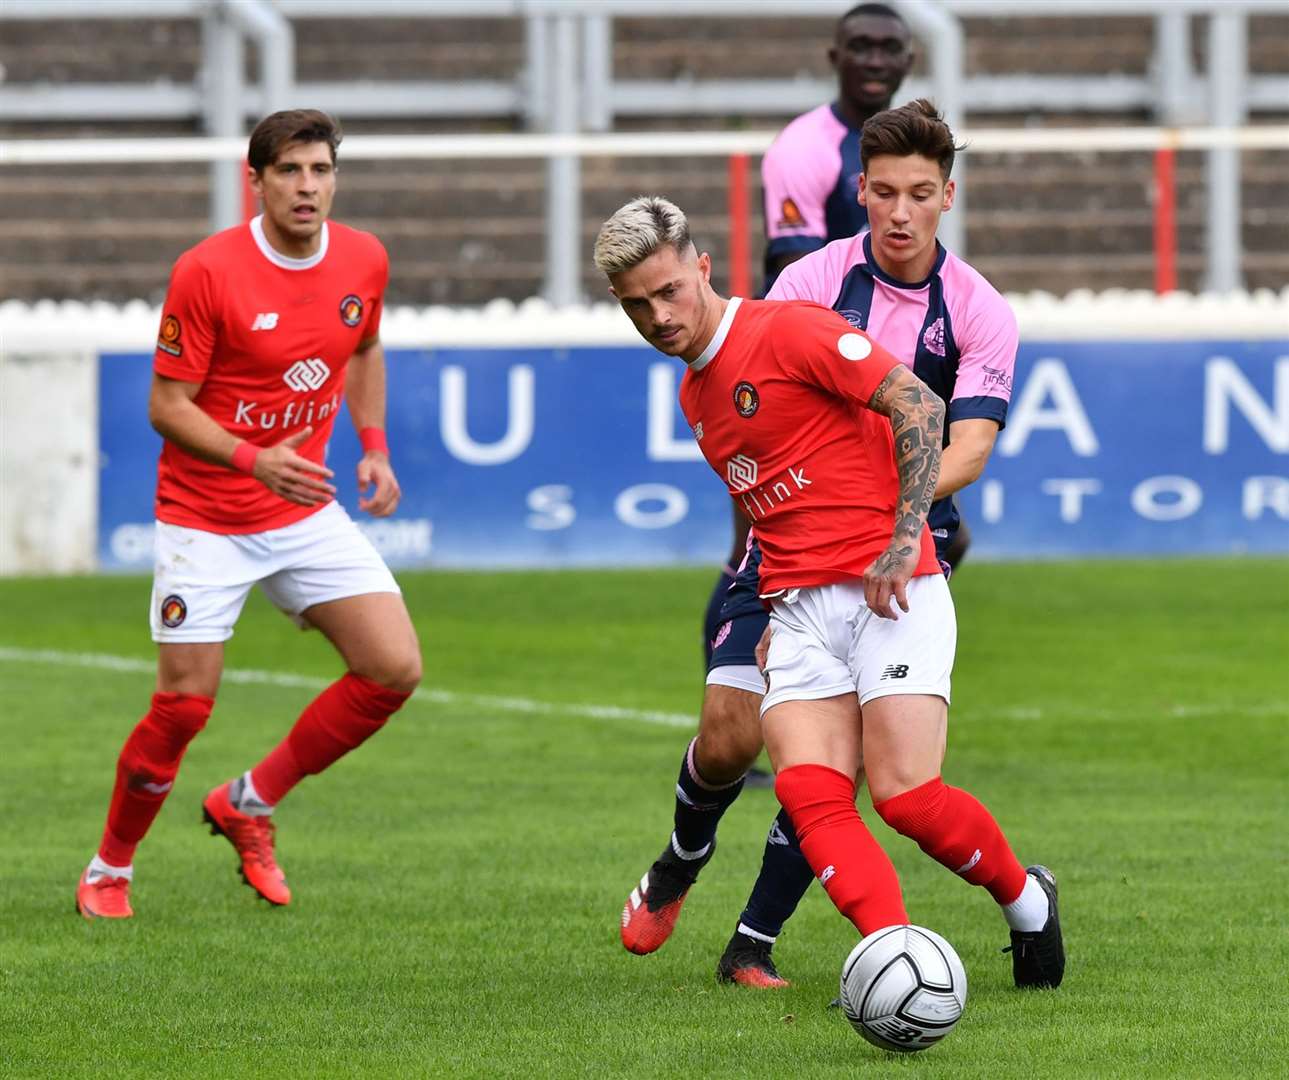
{"points": [[637, 230]]}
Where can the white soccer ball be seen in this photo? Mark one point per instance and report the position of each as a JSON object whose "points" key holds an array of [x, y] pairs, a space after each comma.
{"points": [[903, 988]]}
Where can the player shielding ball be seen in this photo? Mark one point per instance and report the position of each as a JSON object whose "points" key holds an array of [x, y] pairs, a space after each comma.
{"points": [[784, 400], [266, 328]]}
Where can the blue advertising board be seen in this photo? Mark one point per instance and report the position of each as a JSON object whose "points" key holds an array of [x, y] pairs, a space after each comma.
{"points": [[581, 457]]}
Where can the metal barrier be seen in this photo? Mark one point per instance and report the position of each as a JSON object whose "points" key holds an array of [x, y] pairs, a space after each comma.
{"points": [[735, 146]]}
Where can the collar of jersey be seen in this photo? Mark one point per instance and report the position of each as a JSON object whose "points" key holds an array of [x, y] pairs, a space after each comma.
{"points": [[835, 108], [285, 261], [718, 338], [870, 264]]}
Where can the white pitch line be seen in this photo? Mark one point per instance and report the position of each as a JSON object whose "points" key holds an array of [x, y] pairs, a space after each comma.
{"points": [[250, 676], [131, 666]]}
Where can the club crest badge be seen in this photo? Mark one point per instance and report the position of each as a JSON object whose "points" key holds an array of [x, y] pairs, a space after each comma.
{"points": [[351, 310], [173, 611], [170, 333], [933, 339], [746, 400]]}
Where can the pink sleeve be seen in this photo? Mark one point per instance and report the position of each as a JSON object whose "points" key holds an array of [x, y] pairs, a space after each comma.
{"points": [[797, 173], [818, 347], [816, 277], [987, 337]]}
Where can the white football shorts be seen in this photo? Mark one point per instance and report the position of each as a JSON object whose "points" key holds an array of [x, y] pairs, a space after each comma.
{"points": [[825, 642], [201, 579], [739, 676]]}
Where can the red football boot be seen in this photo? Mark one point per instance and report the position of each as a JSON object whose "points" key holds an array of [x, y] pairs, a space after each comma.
{"points": [[650, 913], [252, 837], [105, 897]]}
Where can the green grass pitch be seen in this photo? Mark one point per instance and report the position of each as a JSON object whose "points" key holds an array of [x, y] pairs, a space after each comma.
{"points": [[458, 880]]}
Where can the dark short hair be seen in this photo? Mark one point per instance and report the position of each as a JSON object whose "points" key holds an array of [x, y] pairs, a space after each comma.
{"points": [[915, 128], [884, 11], [292, 125]]}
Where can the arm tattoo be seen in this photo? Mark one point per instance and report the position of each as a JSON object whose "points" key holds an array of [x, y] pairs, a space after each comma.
{"points": [[917, 422]]}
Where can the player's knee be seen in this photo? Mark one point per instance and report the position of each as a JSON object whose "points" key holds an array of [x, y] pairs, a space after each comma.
{"points": [[815, 797], [722, 758], [729, 737], [912, 809], [407, 674], [398, 671], [151, 755]]}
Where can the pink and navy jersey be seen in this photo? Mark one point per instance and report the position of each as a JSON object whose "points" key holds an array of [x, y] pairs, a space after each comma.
{"points": [[810, 176], [953, 329]]}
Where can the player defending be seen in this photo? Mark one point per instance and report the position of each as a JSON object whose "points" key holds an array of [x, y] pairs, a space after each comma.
{"points": [[810, 176], [937, 314], [830, 567], [266, 327]]}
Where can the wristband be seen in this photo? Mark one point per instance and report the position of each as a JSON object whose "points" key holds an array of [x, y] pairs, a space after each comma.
{"points": [[244, 457], [373, 438]]}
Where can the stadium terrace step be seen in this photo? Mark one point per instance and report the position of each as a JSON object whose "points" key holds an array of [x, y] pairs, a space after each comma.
{"points": [[470, 231], [379, 48]]}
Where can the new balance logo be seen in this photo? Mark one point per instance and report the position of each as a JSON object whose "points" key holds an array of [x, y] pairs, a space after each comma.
{"points": [[895, 671], [306, 374], [777, 836], [155, 788], [265, 320], [826, 876], [969, 863]]}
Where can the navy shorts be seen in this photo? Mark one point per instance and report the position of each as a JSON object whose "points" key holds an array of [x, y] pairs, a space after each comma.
{"points": [[743, 617]]}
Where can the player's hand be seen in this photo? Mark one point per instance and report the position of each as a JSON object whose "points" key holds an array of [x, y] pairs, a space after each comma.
{"points": [[375, 472], [888, 577], [763, 650], [296, 479]]}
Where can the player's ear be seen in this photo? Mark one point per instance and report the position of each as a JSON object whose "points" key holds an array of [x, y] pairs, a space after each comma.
{"points": [[705, 266], [950, 189], [862, 195], [255, 180], [613, 292]]}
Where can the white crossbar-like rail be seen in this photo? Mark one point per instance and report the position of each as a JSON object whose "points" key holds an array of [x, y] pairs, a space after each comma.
{"points": [[637, 144]]}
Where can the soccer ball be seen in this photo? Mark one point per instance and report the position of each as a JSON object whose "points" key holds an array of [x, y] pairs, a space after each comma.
{"points": [[903, 988]]}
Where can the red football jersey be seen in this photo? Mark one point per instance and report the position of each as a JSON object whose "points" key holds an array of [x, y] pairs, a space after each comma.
{"points": [[268, 338], [778, 404]]}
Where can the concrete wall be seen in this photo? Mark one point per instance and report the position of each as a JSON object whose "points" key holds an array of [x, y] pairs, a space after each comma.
{"points": [[48, 459]]}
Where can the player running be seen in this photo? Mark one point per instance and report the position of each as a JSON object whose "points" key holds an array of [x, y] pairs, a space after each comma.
{"points": [[652, 910], [266, 328]]}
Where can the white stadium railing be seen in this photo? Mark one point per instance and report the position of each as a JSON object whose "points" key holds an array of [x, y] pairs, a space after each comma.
{"points": [[564, 231]]}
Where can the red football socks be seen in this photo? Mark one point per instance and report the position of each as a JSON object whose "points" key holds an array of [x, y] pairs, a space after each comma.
{"points": [[953, 828], [852, 867], [342, 717], [146, 770]]}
